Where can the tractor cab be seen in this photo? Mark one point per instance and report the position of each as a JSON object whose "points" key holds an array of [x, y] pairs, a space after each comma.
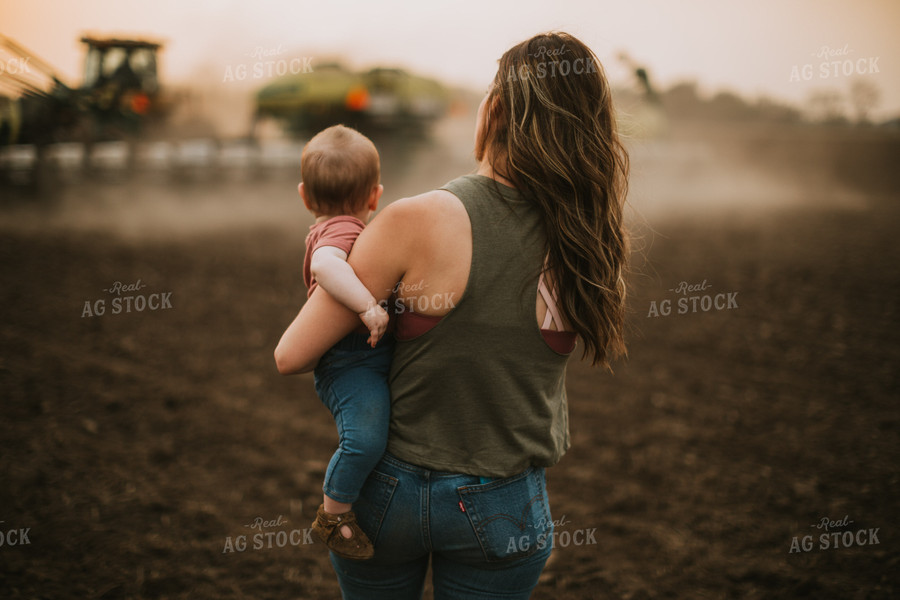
{"points": [[119, 96], [121, 75], [131, 62]]}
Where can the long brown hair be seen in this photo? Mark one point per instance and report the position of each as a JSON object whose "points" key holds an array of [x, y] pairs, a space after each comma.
{"points": [[551, 130]]}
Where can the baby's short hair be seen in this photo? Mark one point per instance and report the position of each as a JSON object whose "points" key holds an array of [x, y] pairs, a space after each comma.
{"points": [[339, 167]]}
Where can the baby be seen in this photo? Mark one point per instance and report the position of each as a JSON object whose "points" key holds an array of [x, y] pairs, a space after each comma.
{"points": [[340, 170]]}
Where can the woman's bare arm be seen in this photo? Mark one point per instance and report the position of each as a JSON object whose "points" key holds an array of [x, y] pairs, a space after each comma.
{"points": [[378, 258], [320, 324]]}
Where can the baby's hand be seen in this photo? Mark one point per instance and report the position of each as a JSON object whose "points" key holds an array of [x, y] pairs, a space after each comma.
{"points": [[376, 319]]}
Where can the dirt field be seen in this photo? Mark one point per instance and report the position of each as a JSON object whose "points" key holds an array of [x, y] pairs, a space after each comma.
{"points": [[138, 447]]}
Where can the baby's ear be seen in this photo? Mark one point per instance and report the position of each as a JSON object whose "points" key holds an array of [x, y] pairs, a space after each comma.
{"points": [[375, 196], [302, 191]]}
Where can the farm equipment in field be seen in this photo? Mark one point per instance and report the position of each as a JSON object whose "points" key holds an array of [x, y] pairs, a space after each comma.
{"points": [[121, 86], [643, 115], [118, 98], [380, 98]]}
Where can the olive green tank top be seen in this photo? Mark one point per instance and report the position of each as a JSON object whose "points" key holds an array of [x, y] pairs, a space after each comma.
{"points": [[481, 392]]}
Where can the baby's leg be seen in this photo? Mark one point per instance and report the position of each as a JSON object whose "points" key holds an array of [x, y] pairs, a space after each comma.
{"points": [[359, 398], [357, 394]]}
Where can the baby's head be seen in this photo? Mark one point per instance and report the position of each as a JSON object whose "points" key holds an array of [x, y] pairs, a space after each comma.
{"points": [[340, 170]]}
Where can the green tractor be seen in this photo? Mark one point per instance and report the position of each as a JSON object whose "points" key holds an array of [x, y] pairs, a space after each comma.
{"points": [[121, 87], [118, 97], [380, 99]]}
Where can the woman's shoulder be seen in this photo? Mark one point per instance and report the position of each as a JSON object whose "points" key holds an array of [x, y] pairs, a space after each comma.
{"points": [[434, 204]]}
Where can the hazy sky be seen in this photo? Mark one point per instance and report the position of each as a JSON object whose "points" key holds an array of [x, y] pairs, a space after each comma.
{"points": [[750, 46]]}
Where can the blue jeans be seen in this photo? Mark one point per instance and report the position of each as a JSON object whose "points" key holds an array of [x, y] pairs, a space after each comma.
{"points": [[485, 538], [351, 380]]}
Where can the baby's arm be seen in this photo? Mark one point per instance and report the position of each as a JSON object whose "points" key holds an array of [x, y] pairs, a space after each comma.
{"points": [[330, 269]]}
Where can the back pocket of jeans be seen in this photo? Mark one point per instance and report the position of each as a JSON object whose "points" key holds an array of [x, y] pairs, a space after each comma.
{"points": [[372, 504], [511, 517]]}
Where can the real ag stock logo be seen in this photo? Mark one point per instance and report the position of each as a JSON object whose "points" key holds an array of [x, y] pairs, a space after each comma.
{"points": [[558, 539], [841, 66], [120, 302], [692, 303], [553, 64], [15, 66], [266, 540], [843, 538], [14, 536], [267, 68], [411, 297]]}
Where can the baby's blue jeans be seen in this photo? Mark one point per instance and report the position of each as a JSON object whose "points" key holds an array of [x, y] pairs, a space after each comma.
{"points": [[351, 380]]}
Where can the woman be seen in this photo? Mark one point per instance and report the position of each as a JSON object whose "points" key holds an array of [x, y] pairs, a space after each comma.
{"points": [[495, 276]]}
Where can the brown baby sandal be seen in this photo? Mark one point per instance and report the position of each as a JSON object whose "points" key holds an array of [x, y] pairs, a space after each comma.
{"points": [[328, 528]]}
